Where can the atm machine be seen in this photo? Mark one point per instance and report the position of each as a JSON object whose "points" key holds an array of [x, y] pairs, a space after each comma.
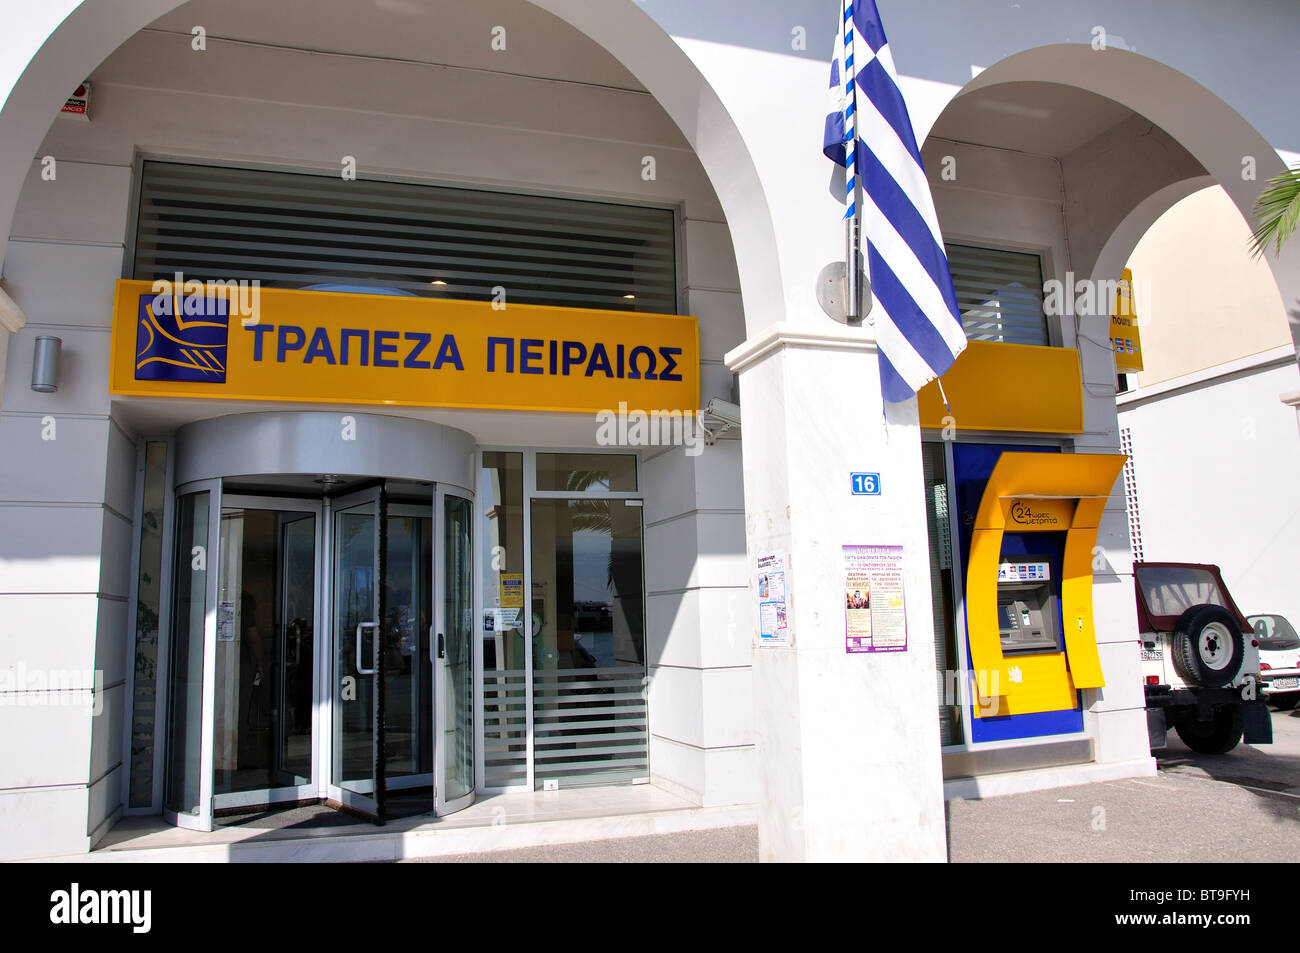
{"points": [[1027, 605]]}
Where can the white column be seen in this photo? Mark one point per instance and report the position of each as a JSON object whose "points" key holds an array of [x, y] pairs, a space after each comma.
{"points": [[848, 745]]}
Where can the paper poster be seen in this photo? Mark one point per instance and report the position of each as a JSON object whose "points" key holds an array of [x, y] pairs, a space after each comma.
{"points": [[873, 599], [501, 620], [225, 621], [512, 590], [773, 619]]}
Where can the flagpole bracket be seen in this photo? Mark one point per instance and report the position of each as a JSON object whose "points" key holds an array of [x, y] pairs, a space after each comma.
{"points": [[833, 294]]}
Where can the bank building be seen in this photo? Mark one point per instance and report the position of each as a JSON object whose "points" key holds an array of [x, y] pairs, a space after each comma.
{"points": [[415, 407]]}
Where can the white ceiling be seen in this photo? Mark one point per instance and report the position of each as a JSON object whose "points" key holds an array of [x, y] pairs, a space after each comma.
{"points": [[1040, 118], [449, 32]]}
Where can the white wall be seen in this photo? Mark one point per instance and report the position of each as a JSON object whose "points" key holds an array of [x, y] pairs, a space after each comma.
{"points": [[701, 690], [1206, 300], [1216, 464], [66, 486]]}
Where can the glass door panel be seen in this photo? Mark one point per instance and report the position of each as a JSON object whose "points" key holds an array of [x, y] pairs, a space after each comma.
{"points": [[186, 795], [408, 683], [589, 707], [262, 735], [356, 781], [295, 644], [454, 657], [506, 628]]}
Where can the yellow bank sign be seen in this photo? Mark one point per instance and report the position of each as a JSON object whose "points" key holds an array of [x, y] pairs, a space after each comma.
{"points": [[1124, 333], [1029, 515], [197, 341]]}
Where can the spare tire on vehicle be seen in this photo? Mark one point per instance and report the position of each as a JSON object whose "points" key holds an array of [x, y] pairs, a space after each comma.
{"points": [[1207, 646]]}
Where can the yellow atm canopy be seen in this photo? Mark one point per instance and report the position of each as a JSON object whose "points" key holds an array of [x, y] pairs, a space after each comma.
{"points": [[1038, 492], [1020, 388]]}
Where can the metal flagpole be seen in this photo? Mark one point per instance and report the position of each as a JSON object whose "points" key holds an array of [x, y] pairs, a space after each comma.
{"points": [[852, 227]]}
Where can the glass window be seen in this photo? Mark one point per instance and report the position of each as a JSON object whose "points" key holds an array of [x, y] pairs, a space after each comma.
{"points": [[189, 613], [1274, 632], [456, 704], [144, 703], [1172, 590], [586, 472], [999, 294], [408, 679], [506, 622], [589, 650], [296, 230]]}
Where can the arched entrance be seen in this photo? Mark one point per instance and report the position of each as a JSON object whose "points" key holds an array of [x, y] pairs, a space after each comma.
{"points": [[310, 144], [1223, 148], [66, 40]]}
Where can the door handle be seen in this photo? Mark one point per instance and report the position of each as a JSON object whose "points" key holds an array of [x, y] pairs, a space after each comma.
{"points": [[442, 646], [361, 669]]}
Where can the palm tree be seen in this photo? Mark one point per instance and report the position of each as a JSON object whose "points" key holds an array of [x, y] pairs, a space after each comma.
{"points": [[1277, 211]]}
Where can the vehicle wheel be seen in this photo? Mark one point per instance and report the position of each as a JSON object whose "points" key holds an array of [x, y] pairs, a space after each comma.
{"points": [[1284, 702], [1213, 737], [1208, 647]]}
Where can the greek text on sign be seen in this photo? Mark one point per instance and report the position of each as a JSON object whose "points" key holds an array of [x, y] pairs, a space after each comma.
{"points": [[773, 610], [875, 619], [326, 347], [1029, 515]]}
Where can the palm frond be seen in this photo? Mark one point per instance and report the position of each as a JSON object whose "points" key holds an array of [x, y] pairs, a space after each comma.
{"points": [[1277, 212]]}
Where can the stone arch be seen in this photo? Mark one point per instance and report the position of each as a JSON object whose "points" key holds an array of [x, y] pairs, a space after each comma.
{"points": [[64, 40], [1211, 131]]}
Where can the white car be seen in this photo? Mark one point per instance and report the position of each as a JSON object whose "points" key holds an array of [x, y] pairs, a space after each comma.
{"points": [[1279, 659]]}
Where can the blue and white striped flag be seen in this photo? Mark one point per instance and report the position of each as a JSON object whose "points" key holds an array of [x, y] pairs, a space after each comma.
{"points": [[918, 326]]}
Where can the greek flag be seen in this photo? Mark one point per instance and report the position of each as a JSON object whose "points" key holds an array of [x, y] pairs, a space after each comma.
{"points": [[918, 326]]}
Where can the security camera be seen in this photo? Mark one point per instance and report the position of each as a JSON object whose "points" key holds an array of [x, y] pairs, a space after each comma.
{"points": [[724, 410]]}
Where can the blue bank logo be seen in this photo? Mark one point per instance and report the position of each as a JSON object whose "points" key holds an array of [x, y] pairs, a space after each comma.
{"points": [[181, 338]]}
